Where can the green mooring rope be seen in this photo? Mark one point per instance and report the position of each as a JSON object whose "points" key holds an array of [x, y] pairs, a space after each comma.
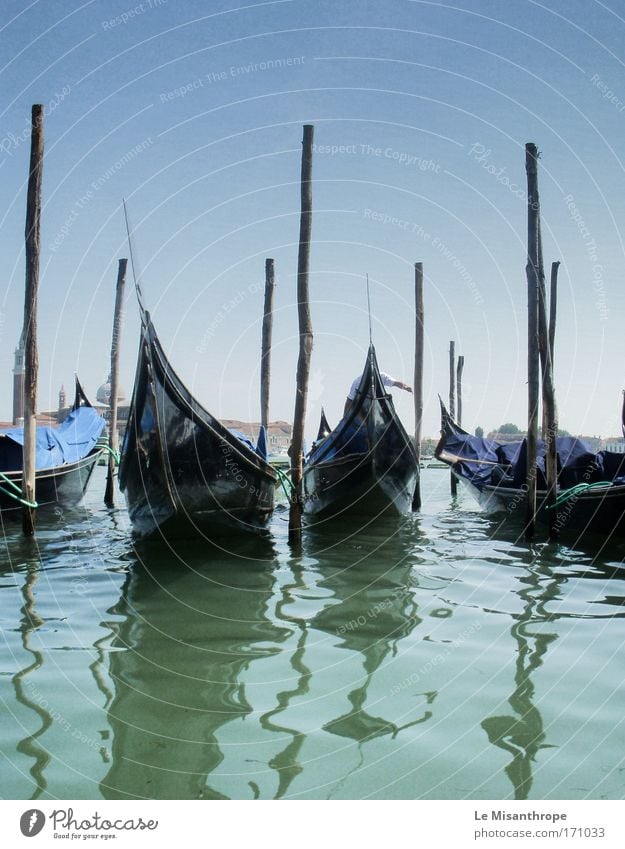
{"points": [[17, 494], [114, 454], [576, 490], [284, 481]]}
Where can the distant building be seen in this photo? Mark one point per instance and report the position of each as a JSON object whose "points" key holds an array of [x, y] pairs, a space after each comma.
{"points": [[278, 433], [615, 444], [593, 442], [103, 395], [497, 436], [60, 414]]}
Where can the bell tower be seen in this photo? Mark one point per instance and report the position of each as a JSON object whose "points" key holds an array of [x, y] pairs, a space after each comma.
{"points": [[62, 403], [18, 382]]}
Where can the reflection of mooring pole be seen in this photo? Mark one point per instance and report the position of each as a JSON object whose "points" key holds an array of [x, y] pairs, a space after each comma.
{"points": [[452, 400], [31, 364], [305, 339], [522, 732], [419, 345], [109, 494]]}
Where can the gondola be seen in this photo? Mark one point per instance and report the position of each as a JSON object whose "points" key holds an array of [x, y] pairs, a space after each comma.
{"points": [[182, 471], [366, 465], [65, 457], [590, 489]]}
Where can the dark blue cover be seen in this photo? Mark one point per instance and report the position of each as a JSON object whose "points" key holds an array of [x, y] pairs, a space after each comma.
{"points": [[506, 463], [261, 445], [260, 448], [473, 448], [75, 437], [343, 441]]}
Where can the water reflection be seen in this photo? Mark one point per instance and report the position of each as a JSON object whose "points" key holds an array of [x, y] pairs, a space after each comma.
{"points": [[229, 674], [522, 734], [188, 632], [286, 762], [26, 691], [373, 609]]}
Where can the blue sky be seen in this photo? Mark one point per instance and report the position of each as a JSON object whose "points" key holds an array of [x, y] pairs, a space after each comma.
{"points": [[193, 111]]}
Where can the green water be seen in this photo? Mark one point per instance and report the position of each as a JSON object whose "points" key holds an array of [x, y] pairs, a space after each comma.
{"points": [[430, 657]]}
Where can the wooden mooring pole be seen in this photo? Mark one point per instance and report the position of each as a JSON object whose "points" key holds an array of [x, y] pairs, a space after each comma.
{"points": [[553, 308], [265, 357], [452, 400], [31, 364], [418, 372], [459, 371], [109, 493], [547, 330], [305, 339], [533, 271]]}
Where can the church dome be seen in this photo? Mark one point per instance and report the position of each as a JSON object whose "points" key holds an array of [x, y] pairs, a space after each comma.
{"points": [[103, 395]]}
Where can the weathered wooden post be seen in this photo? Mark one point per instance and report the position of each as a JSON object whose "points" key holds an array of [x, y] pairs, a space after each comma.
{"points": [[109, 493], [265, 361], [452, 400], [459, 371], [550, 410], [552, 448], [418, 372], [31, 363], [305, 339], [553, 309], [533, 271]]}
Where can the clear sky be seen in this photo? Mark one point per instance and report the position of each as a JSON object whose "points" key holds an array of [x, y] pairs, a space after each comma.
{"points": [[193, 111]]}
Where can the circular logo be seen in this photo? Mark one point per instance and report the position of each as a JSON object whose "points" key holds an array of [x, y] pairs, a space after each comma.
{"points": [[31, 822]]}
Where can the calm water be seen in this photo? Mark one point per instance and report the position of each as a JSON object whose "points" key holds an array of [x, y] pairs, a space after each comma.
{"points": [[430, 657]]}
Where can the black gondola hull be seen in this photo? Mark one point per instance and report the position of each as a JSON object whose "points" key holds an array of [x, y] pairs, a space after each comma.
{"points": [[182, 472], [591, 489], [600, 510], [354, 486], [63, 486], [368, 464]]}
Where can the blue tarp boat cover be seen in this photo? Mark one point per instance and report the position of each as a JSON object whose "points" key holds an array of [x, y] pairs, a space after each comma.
{"points": [[485, 462], [343, 441], [260, 448], [72, 440]]}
